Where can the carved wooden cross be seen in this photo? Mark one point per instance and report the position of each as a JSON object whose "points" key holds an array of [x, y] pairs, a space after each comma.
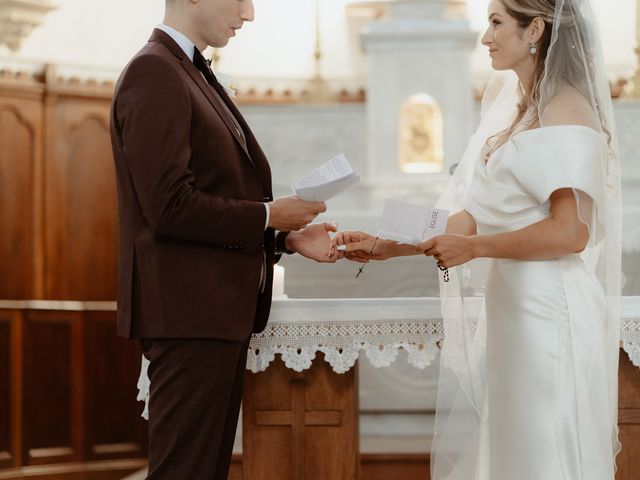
{"points": [[298, 418]]}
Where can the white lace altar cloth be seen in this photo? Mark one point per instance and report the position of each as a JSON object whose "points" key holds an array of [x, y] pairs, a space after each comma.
{"points": [[630, 329], [342, 329]]}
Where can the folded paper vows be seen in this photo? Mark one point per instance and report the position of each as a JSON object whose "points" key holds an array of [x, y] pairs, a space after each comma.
{"points": [[408, 223], [326, 181]]}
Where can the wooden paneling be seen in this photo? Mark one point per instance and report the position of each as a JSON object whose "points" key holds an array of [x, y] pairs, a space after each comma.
{"points": [[81, 203], [629, 384], [75, 381], [57, 192], [629, 419], [51, 387], [93, 216], [235, 471], [6, 459], [106, 470], [395, 466], [293, 422], [12, 320], [114, 426], [374, 466], [72, 377], [20, 139]]}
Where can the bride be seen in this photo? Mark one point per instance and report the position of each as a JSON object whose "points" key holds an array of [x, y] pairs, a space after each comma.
{"points": [[537, 196]]}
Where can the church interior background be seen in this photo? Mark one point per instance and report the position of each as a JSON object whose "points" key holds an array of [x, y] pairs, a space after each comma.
{"points": [[394, 84]]}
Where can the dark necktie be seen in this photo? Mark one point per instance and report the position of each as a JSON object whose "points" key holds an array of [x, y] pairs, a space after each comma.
{"points": [[204, 66]]}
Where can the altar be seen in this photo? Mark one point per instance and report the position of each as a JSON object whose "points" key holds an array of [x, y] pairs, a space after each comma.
{"points": [[300, 411]]}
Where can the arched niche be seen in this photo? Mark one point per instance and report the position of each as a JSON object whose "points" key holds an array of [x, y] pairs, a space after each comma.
{"points": [[421, 137]]}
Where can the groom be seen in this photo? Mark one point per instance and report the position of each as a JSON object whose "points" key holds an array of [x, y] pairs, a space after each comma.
{"points": [[197, 236]]}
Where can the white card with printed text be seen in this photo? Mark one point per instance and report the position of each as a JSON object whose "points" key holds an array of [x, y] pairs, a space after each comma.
{"points": [[411, 224]]}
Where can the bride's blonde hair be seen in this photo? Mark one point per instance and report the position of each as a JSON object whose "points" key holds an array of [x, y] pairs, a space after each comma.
{"points": [[576, 70], [525, 11]]}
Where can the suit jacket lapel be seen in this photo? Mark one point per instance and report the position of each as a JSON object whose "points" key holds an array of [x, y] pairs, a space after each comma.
{"points": [[257, 156], [204, 86], [187, 64]]}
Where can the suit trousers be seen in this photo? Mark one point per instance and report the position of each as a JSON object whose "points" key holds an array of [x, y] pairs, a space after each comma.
{"points": [[194, 403]]}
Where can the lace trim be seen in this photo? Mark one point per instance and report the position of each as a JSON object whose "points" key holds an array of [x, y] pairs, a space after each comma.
{"points": [[342, 359], [633, 350], [630, 336], [342, 343], [630, 330]]}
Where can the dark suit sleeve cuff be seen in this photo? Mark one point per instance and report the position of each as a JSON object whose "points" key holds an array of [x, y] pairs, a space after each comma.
{"points": [[281, 246]]}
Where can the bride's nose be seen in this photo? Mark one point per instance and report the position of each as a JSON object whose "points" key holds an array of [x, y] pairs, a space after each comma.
{"points": [[487, 38]]}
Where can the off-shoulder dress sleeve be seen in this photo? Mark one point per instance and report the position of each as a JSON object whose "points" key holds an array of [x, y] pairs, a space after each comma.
{"points": [[563, 157]]}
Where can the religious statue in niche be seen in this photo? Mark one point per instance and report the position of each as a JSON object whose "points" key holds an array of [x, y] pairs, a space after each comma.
{"points": [[421, 135]]}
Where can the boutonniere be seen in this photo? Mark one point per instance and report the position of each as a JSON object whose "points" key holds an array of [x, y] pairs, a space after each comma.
{"points": [[227, 83]]}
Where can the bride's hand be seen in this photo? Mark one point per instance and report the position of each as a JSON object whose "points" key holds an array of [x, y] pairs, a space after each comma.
{"points": [[362, 247], [449, 250]]}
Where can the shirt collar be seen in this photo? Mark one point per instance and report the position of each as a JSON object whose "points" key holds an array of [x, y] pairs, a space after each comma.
{"points": [[183, 42]]}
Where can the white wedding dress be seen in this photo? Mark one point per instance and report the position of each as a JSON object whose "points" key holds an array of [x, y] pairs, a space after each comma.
{"points": [[546, 405]]}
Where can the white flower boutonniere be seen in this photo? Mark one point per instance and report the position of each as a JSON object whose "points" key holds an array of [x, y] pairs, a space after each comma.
{"points": [[227, 83]]}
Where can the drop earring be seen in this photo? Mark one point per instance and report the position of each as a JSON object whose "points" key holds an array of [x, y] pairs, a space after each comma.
{"points": [[532, 48]]}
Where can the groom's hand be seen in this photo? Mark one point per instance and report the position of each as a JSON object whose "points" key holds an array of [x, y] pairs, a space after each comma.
{"points": [[289, 214], [314, 242]]}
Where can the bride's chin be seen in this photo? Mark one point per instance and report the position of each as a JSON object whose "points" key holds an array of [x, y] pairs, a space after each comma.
{"points": [[497, 66]]}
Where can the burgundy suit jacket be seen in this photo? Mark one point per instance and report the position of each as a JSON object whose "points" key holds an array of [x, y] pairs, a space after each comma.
{"points": [[191, 213]]}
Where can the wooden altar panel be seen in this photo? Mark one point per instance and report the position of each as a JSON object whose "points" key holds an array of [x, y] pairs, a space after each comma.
{"points": [[380, 466], [293, 422], [80, 202], [114, 426], [20, 139], [629, 419], [52, 387]]}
